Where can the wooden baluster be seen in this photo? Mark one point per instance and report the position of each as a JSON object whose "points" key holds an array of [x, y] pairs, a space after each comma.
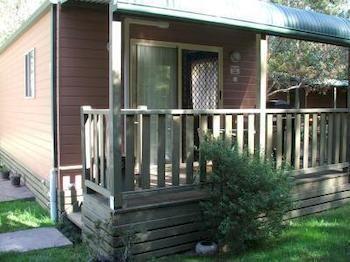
{"points": [[90, 145], [175, 170], [288, 140], [279, 141], [146, 152], [240, 132], [297, 141], [314, 140], [83, 124], [129, 153], [101, 143], [95, 152], [322, 138], [228, 128], [203, 125], [344, 135], [330, 139], [251, 133], [337, 138], [161, 151], [269, 136], [216, 126], [189, 149], [306, 141]]}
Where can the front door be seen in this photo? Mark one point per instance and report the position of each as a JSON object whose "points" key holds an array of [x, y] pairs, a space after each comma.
{"points": [[156, 86], [169, 76]]}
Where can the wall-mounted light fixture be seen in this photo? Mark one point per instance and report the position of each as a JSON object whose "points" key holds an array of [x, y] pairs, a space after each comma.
{"points": [[235, 56]]}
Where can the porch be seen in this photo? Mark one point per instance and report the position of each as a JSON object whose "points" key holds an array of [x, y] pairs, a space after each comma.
{"points": [[141, 168], [307, 140], [159, 201]]}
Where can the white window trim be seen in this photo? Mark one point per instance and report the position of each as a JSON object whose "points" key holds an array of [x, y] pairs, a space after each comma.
{"points": [[34, 75]]}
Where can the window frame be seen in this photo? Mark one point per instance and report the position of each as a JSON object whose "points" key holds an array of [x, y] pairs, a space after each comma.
{"points": [[27, 75], [179, 46]]}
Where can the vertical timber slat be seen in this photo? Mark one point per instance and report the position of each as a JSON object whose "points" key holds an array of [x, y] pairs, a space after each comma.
{"points": [[330, 139], [95, 152], [161, 151], [175, 170], [189, 149], [269, 135], [251, 133], [146, 152], [216, 126], [101, 149], [344, 136], [322, 138], [297, 141], [83, 123], [228, 128], [314, 140], [337, 138], [129, 153], [279, 141], [240, 132], [306, 141], [203, 123], [288, 142]]}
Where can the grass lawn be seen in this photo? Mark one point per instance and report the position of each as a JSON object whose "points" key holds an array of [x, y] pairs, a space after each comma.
{"points": [[22, 214], [322, 237], [25, 214], [75, 253]]}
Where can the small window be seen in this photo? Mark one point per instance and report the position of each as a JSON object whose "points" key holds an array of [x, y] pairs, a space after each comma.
{"points": [[30, 74]]}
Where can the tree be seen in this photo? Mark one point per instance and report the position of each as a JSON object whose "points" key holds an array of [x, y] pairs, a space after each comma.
{"points": [[13, 14], [295, 64]]}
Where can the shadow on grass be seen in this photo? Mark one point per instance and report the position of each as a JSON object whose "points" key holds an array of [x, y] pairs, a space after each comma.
{"points": [[22, 214]]}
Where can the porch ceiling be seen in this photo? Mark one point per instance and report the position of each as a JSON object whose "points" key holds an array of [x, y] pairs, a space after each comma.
{"points": [[260, 16]]}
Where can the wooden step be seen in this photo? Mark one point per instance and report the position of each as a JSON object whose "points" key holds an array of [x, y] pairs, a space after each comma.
{"points": [[75, 218]]}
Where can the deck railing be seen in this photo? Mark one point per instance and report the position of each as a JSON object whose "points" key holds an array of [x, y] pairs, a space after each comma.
{"points": [[94, 145], [308, 139], [160, 146]]}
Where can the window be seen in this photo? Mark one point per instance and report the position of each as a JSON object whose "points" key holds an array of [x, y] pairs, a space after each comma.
{"points": [[29, 61]]}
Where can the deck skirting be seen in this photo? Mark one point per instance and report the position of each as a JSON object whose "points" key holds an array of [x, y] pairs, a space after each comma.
{"points": [[174, 224]]}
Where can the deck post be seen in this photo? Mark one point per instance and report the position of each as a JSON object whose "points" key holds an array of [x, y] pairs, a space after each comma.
{"points": [[115, 161], [261, 41]]}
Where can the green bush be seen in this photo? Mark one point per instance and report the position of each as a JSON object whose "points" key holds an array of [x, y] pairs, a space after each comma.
{"points": [[248, 196]]}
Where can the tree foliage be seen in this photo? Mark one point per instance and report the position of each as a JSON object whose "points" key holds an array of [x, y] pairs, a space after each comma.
{"points": [[295, 63], [13, 13]]}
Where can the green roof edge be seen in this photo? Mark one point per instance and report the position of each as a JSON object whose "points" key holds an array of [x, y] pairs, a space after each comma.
{"points": [[258, 27], [45, 6]]}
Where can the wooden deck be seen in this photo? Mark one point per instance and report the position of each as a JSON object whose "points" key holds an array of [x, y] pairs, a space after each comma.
{"points": [[169, 221]]}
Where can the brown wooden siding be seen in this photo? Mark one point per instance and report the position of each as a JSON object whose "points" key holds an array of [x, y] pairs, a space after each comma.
{"points": [[83, 77], [25, 129], [240, 94]]}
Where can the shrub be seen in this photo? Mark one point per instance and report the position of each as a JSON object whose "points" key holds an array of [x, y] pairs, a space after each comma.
{"points": [[248, 196]]}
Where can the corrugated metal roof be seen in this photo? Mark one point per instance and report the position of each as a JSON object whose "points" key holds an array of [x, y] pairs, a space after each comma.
{"points": [[257, 15]]}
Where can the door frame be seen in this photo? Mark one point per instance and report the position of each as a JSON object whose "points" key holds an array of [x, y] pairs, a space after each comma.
{"points": [[130, 96]]}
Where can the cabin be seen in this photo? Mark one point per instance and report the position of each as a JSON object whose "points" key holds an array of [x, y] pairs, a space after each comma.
{"points": [[102, 103]]}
